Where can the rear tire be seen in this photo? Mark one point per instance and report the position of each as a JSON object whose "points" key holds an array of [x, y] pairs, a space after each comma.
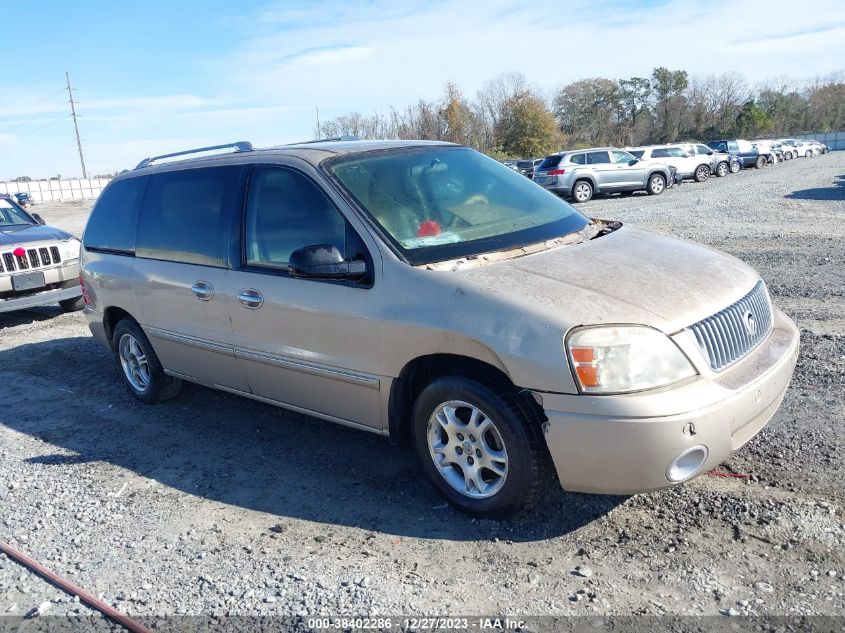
{"points": [[139, 366], [498, 428], [722, 169], [702, 173], [72, 305], [582, 191], [656, 184]]}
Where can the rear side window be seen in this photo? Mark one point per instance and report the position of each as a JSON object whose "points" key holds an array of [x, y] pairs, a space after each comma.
{"points": [[550, 162], [114, 218], [579, 159], [659, 153], [186, 215], [598, 158]]}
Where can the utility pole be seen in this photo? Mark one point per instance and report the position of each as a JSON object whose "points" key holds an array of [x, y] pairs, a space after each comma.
{"points": [[76, 127]]}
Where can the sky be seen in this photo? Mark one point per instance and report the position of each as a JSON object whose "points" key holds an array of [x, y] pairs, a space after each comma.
{"points": [[161, 76]]}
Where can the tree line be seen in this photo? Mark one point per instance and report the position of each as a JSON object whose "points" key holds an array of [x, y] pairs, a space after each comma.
{"points": [[511, 118]]}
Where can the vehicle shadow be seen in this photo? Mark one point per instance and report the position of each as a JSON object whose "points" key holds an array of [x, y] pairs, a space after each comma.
{"points": [[243, 453], [32, 315], [834, 192]]}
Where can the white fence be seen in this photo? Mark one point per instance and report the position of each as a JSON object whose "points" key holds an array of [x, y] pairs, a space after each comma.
{"points": [[836, 140], [57, 190]]}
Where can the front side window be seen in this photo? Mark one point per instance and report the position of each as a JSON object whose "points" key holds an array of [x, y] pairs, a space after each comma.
{"points": [[598, 158], [12, 215], [676, 152], [719, 146], [659, 153], [440, 203], [187, 215], [621, 157], [287, 211], [702, 149]]}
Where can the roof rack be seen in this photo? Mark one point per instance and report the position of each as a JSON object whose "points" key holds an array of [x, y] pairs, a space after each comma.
{"points": [[239, 146], [345, 137]]}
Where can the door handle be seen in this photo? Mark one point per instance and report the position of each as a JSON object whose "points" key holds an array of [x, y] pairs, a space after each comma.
{"points": [[203, 290], [250, 298]]}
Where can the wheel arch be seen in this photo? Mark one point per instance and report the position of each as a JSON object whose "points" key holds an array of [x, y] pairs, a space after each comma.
{"points": [[418, 373], [111, 317]]}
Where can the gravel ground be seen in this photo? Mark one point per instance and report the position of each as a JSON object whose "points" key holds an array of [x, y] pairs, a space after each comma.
{"points": [[211, 504]]}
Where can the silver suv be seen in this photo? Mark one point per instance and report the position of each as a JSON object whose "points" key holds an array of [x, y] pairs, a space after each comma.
{"points": [[425, 292], [39, 265], [581, 174]]}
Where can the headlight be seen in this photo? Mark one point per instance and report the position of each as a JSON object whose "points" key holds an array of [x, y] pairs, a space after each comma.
{"points": [[620, 359], [69, 249]]}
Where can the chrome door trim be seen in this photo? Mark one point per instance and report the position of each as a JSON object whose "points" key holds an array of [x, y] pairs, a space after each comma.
{"points": [[193, 341], [323, 371], [283, 405]]}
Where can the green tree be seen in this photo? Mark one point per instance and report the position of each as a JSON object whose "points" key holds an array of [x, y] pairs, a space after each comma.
{"points": [[669, 102], [752, 120], [587, 111], [527, 127]]}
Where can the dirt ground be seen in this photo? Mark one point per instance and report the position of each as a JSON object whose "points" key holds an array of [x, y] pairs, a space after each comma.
{"points": [[213, 504]]}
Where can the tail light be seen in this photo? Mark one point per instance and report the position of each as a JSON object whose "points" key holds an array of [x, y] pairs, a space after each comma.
{"points": [[556, 172], [85, 298]]}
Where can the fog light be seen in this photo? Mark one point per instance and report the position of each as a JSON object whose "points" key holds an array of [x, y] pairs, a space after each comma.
{"points": [[686, 464]]}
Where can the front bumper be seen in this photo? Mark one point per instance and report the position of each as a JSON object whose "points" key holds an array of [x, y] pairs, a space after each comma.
{"points": [[624, 444], [47, 297]]}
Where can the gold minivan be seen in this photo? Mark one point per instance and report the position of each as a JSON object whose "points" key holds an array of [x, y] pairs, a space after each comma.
{"points": [[425, 292]]}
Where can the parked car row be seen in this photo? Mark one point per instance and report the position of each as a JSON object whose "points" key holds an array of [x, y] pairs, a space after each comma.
{"points": [[581, 174]]}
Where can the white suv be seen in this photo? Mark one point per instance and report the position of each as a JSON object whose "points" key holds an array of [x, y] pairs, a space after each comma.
{"points": [[688, 165]]}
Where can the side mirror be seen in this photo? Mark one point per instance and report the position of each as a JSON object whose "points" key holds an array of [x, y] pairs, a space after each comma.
{"points": [[38, 218], [323, 261], [710, 152], [633, 161]]}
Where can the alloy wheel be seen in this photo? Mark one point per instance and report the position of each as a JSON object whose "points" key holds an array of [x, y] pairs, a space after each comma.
{"points": [[467, 449], [134, 363]]}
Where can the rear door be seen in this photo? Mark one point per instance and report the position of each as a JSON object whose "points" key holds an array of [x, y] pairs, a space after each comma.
{"points": [[603, 169], [181, 263], [308, 343]]}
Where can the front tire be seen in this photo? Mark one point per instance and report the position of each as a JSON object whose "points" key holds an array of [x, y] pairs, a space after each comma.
{"points": [[656, 184], [702, 173], [139, 366], [72, 305], [481, 445], [722, 169], [582, 191], [735, 167], [760, 162]]}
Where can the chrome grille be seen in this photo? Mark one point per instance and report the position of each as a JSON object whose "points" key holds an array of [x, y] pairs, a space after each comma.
{"points": [[32, 258], [731, 333]]}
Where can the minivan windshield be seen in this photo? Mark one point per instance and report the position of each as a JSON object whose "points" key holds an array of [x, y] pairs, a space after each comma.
{"points": [[440, 203], [12, 215]]}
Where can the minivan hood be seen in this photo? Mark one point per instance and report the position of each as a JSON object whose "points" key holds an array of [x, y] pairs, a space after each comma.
{"points": [[627, 276], [12, 235]]}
